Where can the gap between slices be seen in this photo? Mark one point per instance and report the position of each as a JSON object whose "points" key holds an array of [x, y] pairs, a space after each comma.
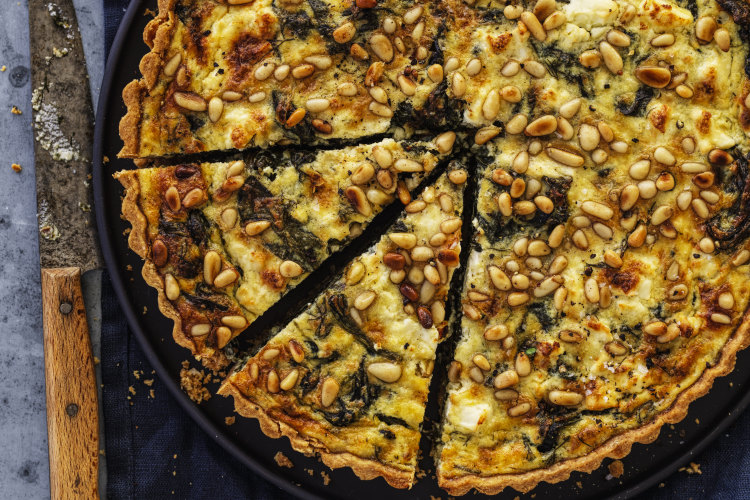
{"points": [[348, 378]]}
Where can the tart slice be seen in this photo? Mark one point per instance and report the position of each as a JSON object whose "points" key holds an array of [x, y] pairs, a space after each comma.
{"points": [[598, 303], [233, 75], [250, 230], [348, 378]]}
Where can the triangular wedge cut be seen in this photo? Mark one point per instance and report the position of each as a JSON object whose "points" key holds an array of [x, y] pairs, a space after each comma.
{"points": [[248, 231], [348, 378], [222, 76], [594, 310]]}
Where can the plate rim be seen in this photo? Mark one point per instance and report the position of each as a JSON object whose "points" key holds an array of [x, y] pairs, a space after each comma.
{"points": [[218, 434]]}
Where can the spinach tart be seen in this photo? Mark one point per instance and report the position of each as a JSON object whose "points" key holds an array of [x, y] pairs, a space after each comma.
{"points": [[606, 282]]}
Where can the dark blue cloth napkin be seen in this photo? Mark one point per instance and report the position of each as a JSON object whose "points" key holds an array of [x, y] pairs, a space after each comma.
{"points": [[171, 457]]}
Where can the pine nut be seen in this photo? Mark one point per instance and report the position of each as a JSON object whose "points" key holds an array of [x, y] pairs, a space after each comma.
{"points": [[496, 332], [481, 362], [663, 40], [741, 258], [458, 85], [588, 137], [517, 298], [547, 286], [726, 301], [640, 169], [329, 391], [382, 47], [555, 20], [290, 269], [407, 85], [170, 68], [534, 26], [590, 59], [611, 57], [637, 238], [189, 101], [511, 93], [700, 208], [618, 38], [365, 300], [519, 409], [565, 157], [565, 398], [491, 105], [706, 245], [387, 372], [264, 71], [296, 117], [559, 298], [647, 189], [723, 39], [225, 278], [522, 365], [535, 68], [619, 147], [597, 209], [512, 11], [435, 72], [505, 379], [458, 176], [580, 240], [722, 319], [473, 67], [510, 68], [485, 134], [215, 108], [684, 199], [661, 214], [691, 167], [570, 108], [705, 27], [678, 292], [517, 124], [444, 142], [347, 89], [591, 290], [542, 126], [451, 64], [564, 129], [629, 197]]}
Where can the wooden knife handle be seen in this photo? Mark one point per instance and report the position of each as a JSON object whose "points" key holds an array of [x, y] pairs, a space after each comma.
{"points": [[72, 412]]}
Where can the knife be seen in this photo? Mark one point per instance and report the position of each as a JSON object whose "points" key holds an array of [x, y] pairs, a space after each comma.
{"points": [[63, 129]]}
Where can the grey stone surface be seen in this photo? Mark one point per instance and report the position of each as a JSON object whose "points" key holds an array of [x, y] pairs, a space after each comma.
{"points": [[24, 464]]}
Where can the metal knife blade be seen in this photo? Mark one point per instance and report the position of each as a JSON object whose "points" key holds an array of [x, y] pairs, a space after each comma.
{"points": [[63, 128]]}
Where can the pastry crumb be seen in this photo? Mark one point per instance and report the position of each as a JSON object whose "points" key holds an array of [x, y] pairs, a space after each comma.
{"points": [[149, 382], [691, 469], [96, 361], [16, 111], [191, 381], [4, 67], [616, 468], [282, 460], [16, 167], [229, 420], [326, 478], [131, 390]]}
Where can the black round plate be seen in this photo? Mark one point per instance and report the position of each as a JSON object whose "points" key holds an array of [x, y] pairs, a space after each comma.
{"points": [[645, 466]]}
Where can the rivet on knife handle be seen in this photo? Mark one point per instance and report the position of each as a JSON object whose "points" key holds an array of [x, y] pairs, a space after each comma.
{"points": [[72, 416]]}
